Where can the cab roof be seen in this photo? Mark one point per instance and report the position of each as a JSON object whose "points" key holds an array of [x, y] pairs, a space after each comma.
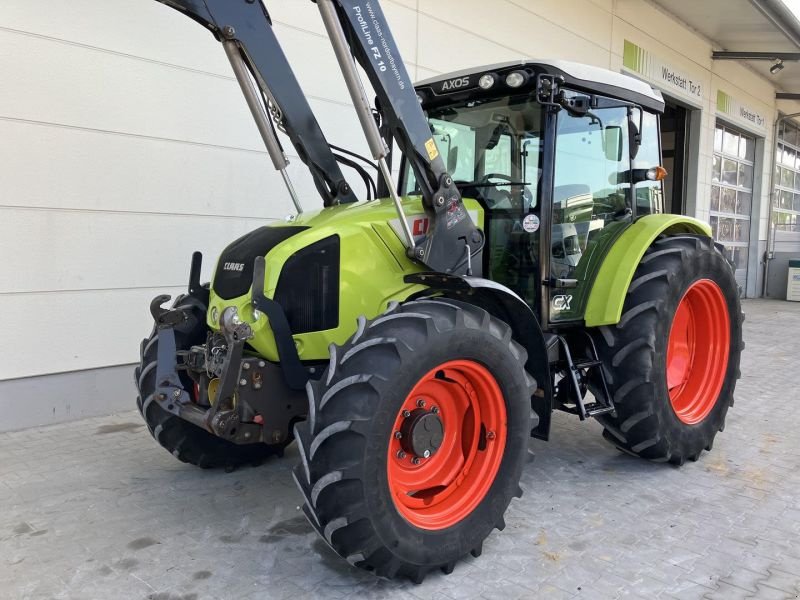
{"points": [[585, 77]]}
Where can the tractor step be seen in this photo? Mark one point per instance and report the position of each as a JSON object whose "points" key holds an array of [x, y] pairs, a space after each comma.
{"points": [[576, 371], [587, 364]]}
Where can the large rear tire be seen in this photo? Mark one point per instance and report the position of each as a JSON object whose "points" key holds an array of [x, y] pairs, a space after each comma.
{"points": [[416, 438], [184, 440], [672, 361]]}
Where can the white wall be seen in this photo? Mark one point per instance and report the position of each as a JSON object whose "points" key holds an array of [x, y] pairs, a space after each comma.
{"points": [[126, 144]]}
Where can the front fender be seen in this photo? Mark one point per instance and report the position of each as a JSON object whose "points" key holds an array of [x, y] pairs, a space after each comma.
{"points": [[607, 296]]}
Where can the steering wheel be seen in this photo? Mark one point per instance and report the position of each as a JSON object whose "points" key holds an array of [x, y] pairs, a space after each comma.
{"points": [[496, 197], [527, 197]]}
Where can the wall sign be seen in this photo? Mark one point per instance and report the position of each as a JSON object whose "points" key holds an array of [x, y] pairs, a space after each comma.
{"points": [[671, 79], [736, 112]]}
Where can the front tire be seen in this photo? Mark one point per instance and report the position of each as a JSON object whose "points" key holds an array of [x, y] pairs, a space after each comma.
{"points": [[672, 361], [416, 438]]}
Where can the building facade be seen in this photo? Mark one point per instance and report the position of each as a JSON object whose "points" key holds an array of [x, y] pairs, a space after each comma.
{"points": [[127, 145]]}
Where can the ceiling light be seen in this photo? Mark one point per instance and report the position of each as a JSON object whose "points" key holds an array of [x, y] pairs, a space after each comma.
{"points": [[777, 67]]}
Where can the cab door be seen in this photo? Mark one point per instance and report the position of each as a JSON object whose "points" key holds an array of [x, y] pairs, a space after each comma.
{"points": [[591, 201]]}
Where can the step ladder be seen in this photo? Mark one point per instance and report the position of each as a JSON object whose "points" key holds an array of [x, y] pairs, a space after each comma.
{"points": [[577, 371]]}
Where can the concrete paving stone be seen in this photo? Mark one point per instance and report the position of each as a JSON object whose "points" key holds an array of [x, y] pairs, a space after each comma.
{"points": [[767, 593], [776, 578], [95, 511], [725, 591]]}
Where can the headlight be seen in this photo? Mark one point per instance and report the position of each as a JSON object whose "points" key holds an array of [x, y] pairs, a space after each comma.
{"points": [[516, 78], [486, 81]]}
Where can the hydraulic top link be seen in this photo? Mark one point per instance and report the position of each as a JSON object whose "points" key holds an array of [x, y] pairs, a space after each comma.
{"points": [[358, 30]]}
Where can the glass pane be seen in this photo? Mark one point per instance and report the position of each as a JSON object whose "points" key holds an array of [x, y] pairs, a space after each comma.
{"points": [[740, 258], [787, 157], [797, 181], [583, 206], [787, 178], [747, 148], [714, 197], [791, 134], [715, 168], [729, 171], [786, 200], [718, 139], [744, 201], [796, 206], [730, 143], [714, 223], [745, 176], [727, 202], [741, 230], [725, 229]]}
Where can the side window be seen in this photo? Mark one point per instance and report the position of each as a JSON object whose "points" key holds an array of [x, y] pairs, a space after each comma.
{"points": [[649, 194], [590, 192]]}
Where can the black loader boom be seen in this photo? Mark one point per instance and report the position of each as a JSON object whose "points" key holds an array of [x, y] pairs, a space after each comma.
{"points": [[357, 30]]}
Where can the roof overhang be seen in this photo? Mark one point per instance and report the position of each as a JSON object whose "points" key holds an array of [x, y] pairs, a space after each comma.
{"points": [[762, 34]]}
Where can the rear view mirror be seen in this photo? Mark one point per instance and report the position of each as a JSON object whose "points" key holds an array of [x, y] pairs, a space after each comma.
{"points": [[612, 142]]}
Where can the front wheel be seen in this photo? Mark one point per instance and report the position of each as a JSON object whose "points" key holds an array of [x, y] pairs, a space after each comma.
{"points": [[672, 361], [416, 438]]}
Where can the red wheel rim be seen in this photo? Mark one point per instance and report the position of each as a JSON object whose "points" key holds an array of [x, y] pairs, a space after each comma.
{"points": [[697, 351], [439, 491]]}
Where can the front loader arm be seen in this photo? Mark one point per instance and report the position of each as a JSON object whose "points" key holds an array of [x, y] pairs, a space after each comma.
{"points": [[358, 29]]}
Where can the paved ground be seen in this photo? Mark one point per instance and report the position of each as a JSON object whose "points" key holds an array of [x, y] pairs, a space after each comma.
{"points": [[94, 509]]}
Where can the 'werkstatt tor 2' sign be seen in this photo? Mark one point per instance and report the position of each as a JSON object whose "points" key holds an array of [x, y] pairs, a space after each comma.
{"points": [[663, 75]]}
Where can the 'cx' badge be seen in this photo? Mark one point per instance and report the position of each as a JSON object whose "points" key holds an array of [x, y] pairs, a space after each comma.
{"points": [[561, 302]]}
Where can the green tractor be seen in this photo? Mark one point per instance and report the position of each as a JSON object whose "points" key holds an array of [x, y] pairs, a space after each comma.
{"points": [[413, 342]]}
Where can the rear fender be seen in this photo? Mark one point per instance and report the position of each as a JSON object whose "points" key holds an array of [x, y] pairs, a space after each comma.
{"points": [[607, 296], [504, 304]]}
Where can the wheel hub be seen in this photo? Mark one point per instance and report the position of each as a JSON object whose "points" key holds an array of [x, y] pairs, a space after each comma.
{"points": [[422, 433]]}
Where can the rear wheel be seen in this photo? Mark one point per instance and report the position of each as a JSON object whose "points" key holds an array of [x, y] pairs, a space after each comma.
{"points": [[673, 359], [187, 442], [416, 438]]}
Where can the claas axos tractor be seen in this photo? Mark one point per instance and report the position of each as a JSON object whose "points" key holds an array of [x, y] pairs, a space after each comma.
{"points": [[411, 343]]}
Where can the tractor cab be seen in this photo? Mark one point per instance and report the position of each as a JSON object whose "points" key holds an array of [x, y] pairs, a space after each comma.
{"points": [[560, 156]]}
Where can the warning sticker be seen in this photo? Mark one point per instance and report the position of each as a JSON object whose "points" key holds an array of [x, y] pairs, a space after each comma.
{"points": [[430, 146]]}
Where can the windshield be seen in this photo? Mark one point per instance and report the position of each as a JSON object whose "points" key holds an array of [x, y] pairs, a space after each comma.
{"points": [[491, 148]]}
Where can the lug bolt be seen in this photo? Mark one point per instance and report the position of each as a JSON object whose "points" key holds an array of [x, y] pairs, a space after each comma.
{"points": [[415, 460], [421, 403], [406, 413], [439, 200], [245, 366], [243, 381], [177, 393], [401, 454], [435, 410], [262, 364], [162, 396], [490, 435], [448, 181], [397, 435], [426, 454]]}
